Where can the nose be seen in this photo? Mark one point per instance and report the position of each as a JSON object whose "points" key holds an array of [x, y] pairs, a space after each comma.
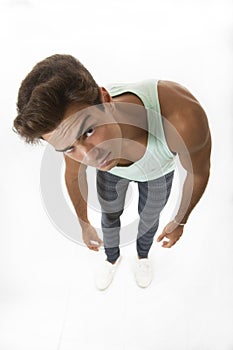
{"points": [[86, 154]]}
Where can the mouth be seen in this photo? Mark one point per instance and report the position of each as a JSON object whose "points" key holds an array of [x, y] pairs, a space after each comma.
{"points": [[104, 162]]}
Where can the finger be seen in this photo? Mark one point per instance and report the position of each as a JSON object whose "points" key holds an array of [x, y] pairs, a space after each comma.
{"points": [[94, 242], [165, 242], [91, 245], [165, 245], [159, 239], [96, 249], [168, 244]]}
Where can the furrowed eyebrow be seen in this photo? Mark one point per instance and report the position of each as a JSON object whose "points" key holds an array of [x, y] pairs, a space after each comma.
{"points": [[79, 133]]}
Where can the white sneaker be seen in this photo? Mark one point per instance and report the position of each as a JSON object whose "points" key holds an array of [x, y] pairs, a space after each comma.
{"points": [[143, 273], [105, 273]]}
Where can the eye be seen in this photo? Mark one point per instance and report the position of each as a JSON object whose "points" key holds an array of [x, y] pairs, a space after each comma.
{"points": [[89, 132]]}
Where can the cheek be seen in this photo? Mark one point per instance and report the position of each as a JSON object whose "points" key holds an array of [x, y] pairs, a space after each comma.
{"points": [[104, 136], [112, 131]]}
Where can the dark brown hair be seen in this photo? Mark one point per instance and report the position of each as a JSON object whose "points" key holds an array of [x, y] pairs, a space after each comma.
{"points": [[47, 91]]}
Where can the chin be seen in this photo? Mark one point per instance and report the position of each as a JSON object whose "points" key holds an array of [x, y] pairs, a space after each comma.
{"points": [[111, 164]]}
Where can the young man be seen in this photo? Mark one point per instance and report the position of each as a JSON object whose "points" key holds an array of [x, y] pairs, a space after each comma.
{"points": [[129, 132]]}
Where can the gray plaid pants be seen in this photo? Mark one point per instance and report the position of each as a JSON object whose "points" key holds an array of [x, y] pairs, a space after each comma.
{"points": [[153, 196]]}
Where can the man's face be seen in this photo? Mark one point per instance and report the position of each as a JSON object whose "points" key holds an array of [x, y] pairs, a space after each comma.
{"points": [[89, 135]]}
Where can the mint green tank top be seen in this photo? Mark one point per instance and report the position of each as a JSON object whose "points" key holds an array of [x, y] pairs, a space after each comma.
{"points": [[157, 160]]}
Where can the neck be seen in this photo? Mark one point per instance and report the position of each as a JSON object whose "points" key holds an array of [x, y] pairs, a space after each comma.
{"points": [[132, 119]]}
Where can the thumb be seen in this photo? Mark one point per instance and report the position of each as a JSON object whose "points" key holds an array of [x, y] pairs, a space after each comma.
{"points": [[163, 234]]}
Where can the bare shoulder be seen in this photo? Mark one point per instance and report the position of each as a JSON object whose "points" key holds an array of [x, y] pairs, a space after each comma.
{"points": [[174, 98], [183, 113]]}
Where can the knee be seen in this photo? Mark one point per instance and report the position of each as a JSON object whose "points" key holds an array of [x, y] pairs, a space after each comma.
{"points": [[111, 216], [111, 220]]}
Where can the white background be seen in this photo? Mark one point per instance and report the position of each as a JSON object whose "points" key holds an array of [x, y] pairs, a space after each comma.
{"points": [[47, 295]]}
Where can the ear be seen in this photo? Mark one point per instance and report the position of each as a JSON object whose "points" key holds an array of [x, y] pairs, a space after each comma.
{"points": [[105, 96]]}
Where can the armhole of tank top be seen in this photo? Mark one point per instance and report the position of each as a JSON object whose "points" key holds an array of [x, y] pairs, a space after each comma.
{"points": [[159, 108]]}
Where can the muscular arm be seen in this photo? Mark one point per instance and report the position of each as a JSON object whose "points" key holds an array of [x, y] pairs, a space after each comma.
{"points": [[76, 183], [197, 165], [77, 187], [194, 156], [192, 142]]}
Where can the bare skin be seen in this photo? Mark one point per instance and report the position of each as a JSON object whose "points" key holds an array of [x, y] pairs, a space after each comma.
{"points": [[184, 112], [183, 116]]}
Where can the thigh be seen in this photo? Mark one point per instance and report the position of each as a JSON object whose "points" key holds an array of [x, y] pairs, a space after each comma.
{"points": [[111, 190], [153, 195]]}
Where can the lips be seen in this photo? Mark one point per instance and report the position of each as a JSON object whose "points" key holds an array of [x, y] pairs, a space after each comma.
{"points": [[104, 161]]}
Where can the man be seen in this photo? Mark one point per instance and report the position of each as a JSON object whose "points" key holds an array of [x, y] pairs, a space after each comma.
{"points": [[129, 132]]}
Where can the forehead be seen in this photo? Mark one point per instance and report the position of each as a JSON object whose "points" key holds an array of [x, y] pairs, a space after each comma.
{"points": [[75, 108], [70, 111], [76, 119]]}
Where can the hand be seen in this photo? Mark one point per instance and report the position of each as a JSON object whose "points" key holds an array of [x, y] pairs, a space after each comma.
{"points": [[173, 232], [91, 238]]}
